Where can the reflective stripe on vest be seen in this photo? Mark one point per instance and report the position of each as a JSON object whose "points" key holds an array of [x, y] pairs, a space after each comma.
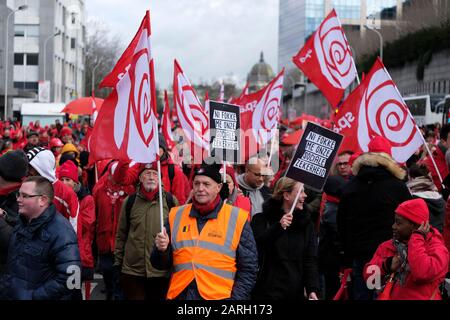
{"points": [[219, 272]]}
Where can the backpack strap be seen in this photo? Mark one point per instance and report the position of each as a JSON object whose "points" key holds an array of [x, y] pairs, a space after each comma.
{"points": [[169, 200], [130, 201]]}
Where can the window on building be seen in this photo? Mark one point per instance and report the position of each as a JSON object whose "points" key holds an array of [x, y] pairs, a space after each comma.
{"points": [[32, 59], [72, 43], [24, 85], [23, 30], [19, 30], [19, 59]]}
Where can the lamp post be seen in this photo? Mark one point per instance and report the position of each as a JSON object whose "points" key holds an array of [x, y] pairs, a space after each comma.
{"points": [[93, 76], [20, 8], [381, 40], [45, 51]]}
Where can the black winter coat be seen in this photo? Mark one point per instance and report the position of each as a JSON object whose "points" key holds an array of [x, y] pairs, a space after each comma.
{"points": [[287, 258], [42, 255], [9, 204], [368, 202]]}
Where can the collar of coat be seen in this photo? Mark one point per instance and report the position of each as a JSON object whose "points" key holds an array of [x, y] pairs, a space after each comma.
{"points": [[378, 159]]}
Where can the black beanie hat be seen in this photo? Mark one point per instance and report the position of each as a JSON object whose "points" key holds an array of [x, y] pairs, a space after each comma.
{"points": [[14, 165], [210, 170]]}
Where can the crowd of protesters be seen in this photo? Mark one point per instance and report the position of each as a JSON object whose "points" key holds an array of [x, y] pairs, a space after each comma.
{"points": [[63, 218]]}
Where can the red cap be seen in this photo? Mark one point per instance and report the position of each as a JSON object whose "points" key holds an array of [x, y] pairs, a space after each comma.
{"points": [[65, 132], [380, 144], [145, 166], [69, 170], [55, 142], [415, 210]]}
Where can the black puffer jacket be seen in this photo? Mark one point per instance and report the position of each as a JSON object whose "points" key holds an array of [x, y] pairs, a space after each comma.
{"points": [[368, 202], [42, 255], [9, 204], [287, 258]]}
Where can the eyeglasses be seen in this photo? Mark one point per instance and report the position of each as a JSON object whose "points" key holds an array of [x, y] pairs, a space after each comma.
{"points": [[27, 196], [342, 164]]}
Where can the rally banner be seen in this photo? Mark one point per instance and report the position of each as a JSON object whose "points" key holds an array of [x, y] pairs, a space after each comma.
{"points": [[224, 131], [191, 115], [260, 115], [326, 59], [314, 156], [126, 127], [376, 108]]}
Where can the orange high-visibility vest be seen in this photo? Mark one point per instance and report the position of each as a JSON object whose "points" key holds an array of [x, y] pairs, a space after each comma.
{"points": [[208, 257]]}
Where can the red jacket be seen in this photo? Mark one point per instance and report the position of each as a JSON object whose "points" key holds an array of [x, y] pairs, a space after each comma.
{"points": [[243, 203], [86, 229], [66, 202], [439, 158], [446, 230], [428, 261], [108, 198]]}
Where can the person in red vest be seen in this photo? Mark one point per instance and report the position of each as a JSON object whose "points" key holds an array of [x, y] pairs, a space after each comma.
{"points": [[416, 258], [209, 244]]}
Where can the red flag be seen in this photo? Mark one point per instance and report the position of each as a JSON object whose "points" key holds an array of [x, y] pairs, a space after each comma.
{"points": [[376, 108], [126, 126], [166, 124], [260, 115], [191, 114], [326, 59]]}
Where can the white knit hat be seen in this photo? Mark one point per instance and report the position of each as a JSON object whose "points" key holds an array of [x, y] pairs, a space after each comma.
{"points": [[43, 161]]}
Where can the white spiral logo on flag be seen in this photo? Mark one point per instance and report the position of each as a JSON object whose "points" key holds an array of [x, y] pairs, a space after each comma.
{"points": [[267, 112], [334, 54], [190, 112], [383, 113], [135, 100]]}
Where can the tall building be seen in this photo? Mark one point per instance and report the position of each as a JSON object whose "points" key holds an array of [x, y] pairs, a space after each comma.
{"points": [[299, 19], [49, 41], [260, 75]]}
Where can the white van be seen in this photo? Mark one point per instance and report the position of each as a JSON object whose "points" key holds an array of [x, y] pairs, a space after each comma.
{"points": [[46, 113]]}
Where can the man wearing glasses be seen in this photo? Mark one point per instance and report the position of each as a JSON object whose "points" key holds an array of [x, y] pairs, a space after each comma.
{"points": [[43, 255]]}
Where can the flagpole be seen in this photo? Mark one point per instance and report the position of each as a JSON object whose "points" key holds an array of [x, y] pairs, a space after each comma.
{"points": [[418, 130], [224, 171], [160, 197]]}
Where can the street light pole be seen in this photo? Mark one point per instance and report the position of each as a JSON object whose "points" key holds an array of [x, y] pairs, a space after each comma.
{"points": [[93, 77], [381, 40], [45, 51], [20, 8]]}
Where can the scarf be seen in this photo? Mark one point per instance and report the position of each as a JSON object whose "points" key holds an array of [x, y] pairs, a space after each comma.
{"points": [[149, 195], [402, 249], [204, 209], [420, 184]]}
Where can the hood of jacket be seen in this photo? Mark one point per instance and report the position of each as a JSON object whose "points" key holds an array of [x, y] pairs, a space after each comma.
{"points": [[369, 164]]}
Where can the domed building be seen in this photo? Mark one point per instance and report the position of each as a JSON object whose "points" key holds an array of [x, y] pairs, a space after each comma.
{"points": [[260, 75]]}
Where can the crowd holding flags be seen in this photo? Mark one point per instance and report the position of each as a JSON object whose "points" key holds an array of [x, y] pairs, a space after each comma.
{"points": [[128, 131]]}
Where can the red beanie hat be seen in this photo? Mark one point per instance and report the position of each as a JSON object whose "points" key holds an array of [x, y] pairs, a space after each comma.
{"points": [[230, 171], [69, 170], [415, 210], [145, 166], [65, 132], [380, 144]]}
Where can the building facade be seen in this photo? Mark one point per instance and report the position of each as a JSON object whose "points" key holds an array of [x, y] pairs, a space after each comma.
{"points": [[48, 51]]}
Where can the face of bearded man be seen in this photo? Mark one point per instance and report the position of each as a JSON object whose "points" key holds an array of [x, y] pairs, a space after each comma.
{"points": [[149, 179]]}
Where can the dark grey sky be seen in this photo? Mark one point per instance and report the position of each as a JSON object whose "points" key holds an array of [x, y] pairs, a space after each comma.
{"points": [[212, 39]]}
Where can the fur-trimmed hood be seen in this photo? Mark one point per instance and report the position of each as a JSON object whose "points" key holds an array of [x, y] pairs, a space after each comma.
{"points": [[378, 159]]}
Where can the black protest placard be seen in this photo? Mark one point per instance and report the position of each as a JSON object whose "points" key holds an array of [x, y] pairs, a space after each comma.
{"points": [[314, 156], [225, 124]]}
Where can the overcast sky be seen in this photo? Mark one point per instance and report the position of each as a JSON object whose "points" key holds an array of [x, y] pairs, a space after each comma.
{"points": [[212, 39]]}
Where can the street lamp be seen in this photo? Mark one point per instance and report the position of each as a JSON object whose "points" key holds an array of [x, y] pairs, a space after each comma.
{"points": [[20, 8], [93, 76], [381, 40], [45, 51], [304, 85]]}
